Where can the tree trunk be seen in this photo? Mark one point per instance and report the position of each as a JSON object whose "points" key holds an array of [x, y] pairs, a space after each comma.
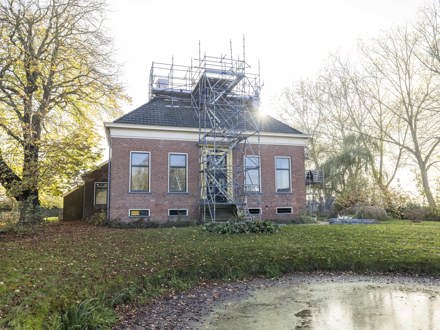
{"points": [[425, 184], [30, 212], [30, 204]]}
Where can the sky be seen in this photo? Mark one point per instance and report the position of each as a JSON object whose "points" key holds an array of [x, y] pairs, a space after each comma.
{"points": [[291, 39]]}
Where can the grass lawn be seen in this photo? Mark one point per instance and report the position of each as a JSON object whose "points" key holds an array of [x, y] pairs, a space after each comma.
{"points": [[44, 278]]}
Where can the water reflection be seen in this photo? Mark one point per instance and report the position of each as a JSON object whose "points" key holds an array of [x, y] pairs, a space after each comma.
{"points": [[353, 305]]}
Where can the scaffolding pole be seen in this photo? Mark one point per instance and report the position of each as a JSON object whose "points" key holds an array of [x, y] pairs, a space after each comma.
{"points": [[225, 99]]}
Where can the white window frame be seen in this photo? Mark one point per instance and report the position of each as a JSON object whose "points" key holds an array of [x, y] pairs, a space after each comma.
{"points": [[260, 188], [149, 172], [94, 193], [185, 215], [290, 174], [186, 168], [139, 216], [285, 207], [256, 208]]}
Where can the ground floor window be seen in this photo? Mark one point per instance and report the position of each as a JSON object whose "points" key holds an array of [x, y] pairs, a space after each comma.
{"points": [[255, 211], [177, 167], [284, 210], [139, 171], [138, 213], [101, 189], [183, 212], [282, 174], [252, 173]]}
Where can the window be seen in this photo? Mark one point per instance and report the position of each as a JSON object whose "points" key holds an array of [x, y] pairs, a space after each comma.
{"points": [[138, 213], [101, 193], [282, 174], [178, 212], [252, 173], [177, 172], [255, 211], [284, 210], [140, 172]]}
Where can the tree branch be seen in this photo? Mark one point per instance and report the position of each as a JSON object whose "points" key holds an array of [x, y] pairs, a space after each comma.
{"points": [[11, 134]]}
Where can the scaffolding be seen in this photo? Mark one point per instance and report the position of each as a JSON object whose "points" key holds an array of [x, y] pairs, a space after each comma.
{"points": [[225, 99], [315, 198]]}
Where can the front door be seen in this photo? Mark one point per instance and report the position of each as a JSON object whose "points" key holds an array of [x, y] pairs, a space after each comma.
{"points": [[217, 178]]}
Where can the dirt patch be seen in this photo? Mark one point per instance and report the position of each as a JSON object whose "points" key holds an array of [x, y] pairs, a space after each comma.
{"points": [[180, 311]]}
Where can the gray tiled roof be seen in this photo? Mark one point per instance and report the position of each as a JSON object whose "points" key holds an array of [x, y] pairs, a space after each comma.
{"points": [[162, 111]]}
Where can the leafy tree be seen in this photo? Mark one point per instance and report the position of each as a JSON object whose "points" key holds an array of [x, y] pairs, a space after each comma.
{"points": [[347, 171], [56, 80]]}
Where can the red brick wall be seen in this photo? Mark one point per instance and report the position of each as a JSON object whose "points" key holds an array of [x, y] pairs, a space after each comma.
{"points": [[159, 200], [269, 199]]}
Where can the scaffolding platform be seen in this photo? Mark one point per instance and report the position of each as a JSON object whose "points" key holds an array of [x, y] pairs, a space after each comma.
{"points": [[223, 95]]}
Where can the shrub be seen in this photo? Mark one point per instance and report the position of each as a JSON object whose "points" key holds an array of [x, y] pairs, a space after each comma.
{"points": [[396, 204], [9, 222], [263, 227], [5, 205], [306, 219], [417, 212], [88, 314], [366, 212], [371, 212], [97, 218], [8, 218]]}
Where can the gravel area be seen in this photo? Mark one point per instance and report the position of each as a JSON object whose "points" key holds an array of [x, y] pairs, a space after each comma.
{"points": [[185, 310]]}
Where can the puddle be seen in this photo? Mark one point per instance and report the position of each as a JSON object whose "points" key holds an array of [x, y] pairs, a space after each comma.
{"points": [[331, 305]]}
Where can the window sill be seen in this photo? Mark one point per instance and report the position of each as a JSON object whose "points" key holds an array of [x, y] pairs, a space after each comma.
{"points": [[284, 192], [178, 193], [139, 192], [250, 193]]}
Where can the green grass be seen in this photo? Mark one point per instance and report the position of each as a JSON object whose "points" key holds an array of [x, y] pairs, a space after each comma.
{"points": [[51, 219], [44, 278], [10, 225]]}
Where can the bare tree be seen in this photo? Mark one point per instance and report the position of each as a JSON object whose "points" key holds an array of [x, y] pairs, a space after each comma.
{"points": [[389, 104], [370, 122], [303, 112], [56, 76], [403, 88], [337, 112], [428, 30]]}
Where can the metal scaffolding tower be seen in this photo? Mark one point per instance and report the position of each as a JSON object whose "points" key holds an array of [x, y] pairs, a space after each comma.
{"points": [[225, 99]]}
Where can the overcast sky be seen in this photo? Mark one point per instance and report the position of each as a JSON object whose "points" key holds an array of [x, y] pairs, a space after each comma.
{"points": [[292, 39]]}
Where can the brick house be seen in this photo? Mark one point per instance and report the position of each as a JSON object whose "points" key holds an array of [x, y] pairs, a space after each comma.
{"points": [[199, 150], [158, 138]]}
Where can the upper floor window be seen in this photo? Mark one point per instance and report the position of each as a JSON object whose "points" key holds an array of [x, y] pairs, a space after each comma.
{"points": [[252, 173], [177, 172], [282, 174], [139, 171]]}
